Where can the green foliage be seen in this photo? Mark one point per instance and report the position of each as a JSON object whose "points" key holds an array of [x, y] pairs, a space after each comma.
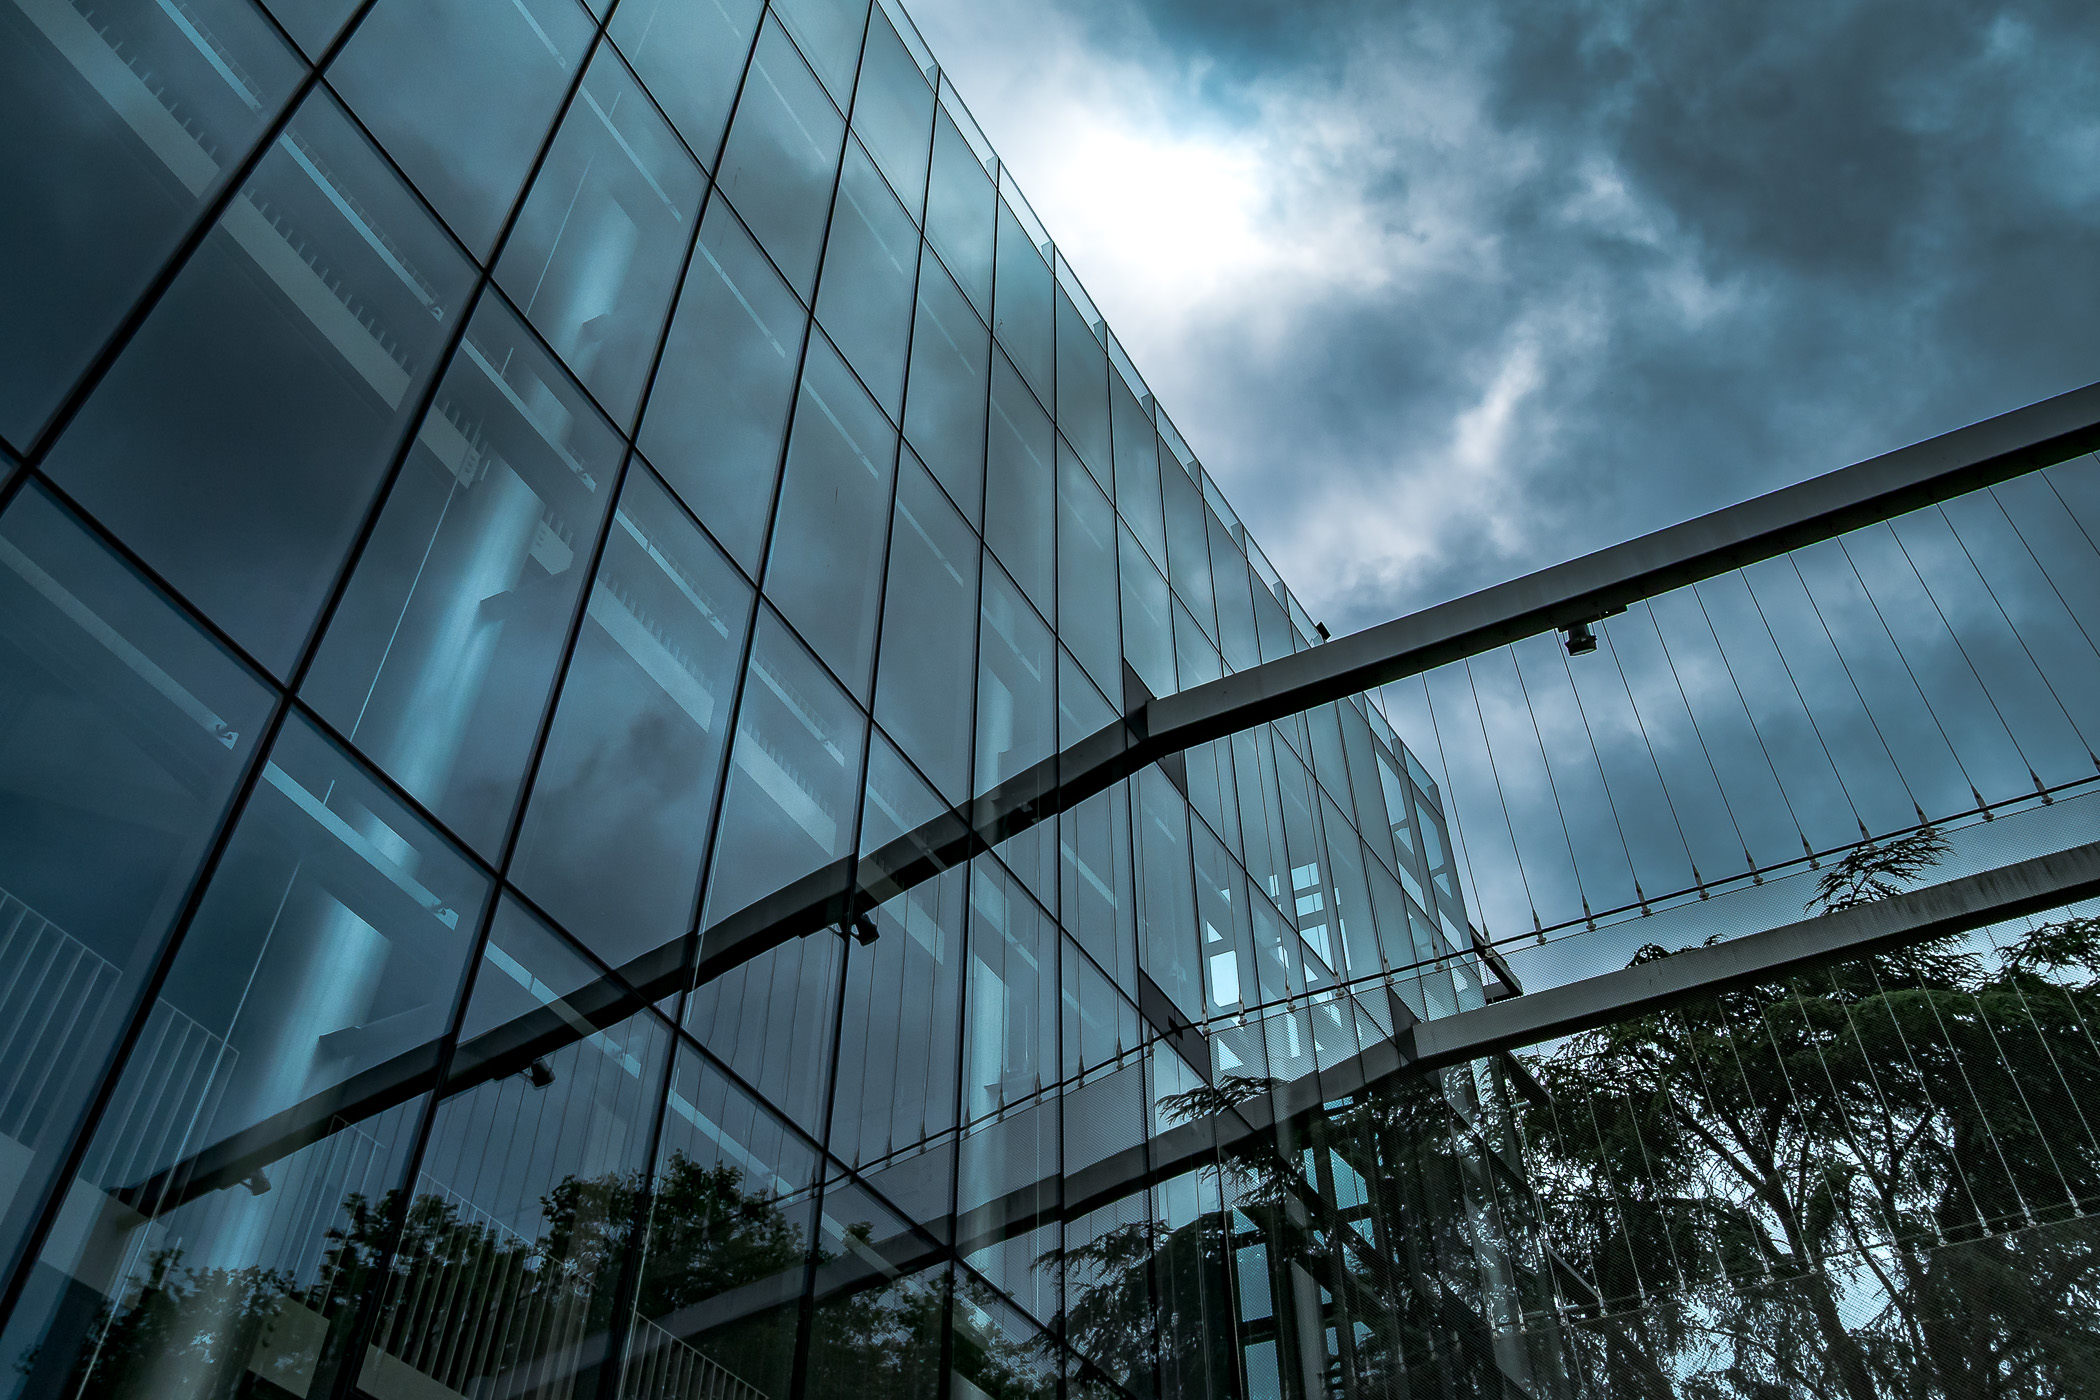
{"points": [[1876, 870], [1869, 1182]]}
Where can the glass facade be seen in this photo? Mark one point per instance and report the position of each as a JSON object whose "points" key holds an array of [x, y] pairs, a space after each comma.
{"points": [[505, 509]]}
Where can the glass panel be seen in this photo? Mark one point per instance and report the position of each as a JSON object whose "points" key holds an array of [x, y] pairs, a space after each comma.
{"points": [[865, 297], [794, 779], [1272, 625], [1236, 635], [125, 126], [313, 23], [1197, 660], [617, 821], [782, 154], [960, 211], [1020, 492], [1098, 902], [1352, 895], [122, 734], [1148, 624], [1101, 1027], [461, 95], [944, 404], [222, 1186], [239, 441], [829, 34], [824, 566], [1108, 1301], [1137, 471], [881, 1304], [1212, 791], [1086, 573], [1082, 710], [1082, 389], [1188, 548], [524, 1208], [1022, 316], [1016, 685], [897, 804], [1010, 1043], [893, 112], [690, 56], [1364, 778], [719, 407], [1329, 763], [928, 634], [1229, 975], [770, 1020], [1166, 909], [596, 252], [898, 1046], [440, 658], [730, 1217], [999, 1354], [1261, 822]]}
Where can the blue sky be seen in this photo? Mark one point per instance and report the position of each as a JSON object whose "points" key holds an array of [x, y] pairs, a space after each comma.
{"points": [[1444, 291]]}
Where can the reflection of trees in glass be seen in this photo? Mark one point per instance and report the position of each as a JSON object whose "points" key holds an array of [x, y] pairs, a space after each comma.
{"points": [[1832, 1187], [1366, 1221]]}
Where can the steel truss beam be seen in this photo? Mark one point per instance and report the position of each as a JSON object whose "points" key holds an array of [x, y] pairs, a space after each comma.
{"points": [[1154, 729]]}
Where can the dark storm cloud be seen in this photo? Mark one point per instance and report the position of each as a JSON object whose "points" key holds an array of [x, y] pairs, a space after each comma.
{"points": [[1671, 256]]}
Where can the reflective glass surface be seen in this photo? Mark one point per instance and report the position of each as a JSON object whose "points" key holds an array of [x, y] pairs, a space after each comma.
{"points": [[441, 656], [617, 820], [893, 112], [824, 566], [598, 247], [140, 113], [719, 411], [944, 407], [692, 59], [461, 95], [239, 441], [923, 690], [783, 156], [869, 266]]}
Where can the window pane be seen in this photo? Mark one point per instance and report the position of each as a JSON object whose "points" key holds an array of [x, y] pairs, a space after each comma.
{"points": [[898, 1048], [1188, 546], [829, 34], [1137, 470], [329, 946], [1016, 685], [865, 299], [1166, 897], [462, 94], [893, 112], [1020, 493], [793, 780], [124, 734], [960, 211], [106, 169], [524, 1207], [1148, 624], [824, 567], [950, 380], [770, 1020], [929, 633], [881, 1308], [597, 249], [1010, 1045], [720, 404], [729, 1214], [1082, 389], [1086, 573], [1022, 316], [617, 821], [1098, 903], [690, 57], [238, 442], [1236, 635], [783, 152], [439, 661], [1195, 658]]}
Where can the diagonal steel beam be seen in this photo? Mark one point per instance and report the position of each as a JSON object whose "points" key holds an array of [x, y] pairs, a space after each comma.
{"points": [[1939, 469]]}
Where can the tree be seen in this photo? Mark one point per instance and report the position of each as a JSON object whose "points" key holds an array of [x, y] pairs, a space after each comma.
{"points": [[1867, 1181]]}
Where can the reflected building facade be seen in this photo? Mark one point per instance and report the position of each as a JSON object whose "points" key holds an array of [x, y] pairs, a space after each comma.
{"points": [[502, 499]]}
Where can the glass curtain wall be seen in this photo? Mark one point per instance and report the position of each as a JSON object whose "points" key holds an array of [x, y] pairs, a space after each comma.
{"points": [[521, 527]]}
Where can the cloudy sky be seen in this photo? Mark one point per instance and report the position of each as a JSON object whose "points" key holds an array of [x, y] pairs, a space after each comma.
{"points": [[1446, 290]]}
